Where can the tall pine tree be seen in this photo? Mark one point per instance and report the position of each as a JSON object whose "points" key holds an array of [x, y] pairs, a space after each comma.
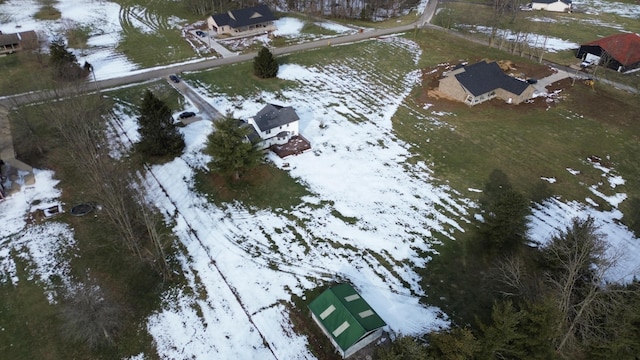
{"points": [[265, 65], [231, 151], [158, 134], [64, 62], [505, 214]]}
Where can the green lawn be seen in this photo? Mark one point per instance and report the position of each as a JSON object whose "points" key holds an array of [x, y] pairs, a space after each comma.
{"points": [[525, 143], [573, 27], [23, 72], [265, 187]]}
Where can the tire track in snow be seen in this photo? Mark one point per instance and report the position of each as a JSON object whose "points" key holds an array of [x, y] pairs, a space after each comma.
{"points": [[135, 17], [213, 262]]}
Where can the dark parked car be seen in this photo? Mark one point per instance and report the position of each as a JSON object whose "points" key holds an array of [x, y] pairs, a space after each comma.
{"points": [[174, 78], [200, 33], [532, 81], [186, 114]]}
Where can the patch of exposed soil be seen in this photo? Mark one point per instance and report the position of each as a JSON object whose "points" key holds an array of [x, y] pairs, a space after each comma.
{"points": [[604, 104]]}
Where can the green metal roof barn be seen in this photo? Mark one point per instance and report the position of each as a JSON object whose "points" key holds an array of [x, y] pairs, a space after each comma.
{"points": [[346, 318]]}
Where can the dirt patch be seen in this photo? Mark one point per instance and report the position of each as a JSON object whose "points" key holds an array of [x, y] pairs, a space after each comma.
{"points": [[605, 104]]}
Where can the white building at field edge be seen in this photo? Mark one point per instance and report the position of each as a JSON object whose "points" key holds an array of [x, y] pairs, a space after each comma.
{"points": [[552, 5]]}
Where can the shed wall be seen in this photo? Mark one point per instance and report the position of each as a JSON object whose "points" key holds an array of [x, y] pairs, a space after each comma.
{"points": [[368, 339]]}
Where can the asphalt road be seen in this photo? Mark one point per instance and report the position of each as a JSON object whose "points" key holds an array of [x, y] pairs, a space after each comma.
{"points": [[157, 73], [206, 111], [142, 76]]}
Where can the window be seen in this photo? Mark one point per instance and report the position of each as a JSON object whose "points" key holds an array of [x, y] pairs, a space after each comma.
{"points": [[469, 99]]}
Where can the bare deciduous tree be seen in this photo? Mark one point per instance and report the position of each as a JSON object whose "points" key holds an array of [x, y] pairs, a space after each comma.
{"points": [[90, 315], [82, 128]]}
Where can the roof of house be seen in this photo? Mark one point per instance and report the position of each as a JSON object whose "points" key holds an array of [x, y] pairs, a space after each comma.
{"points": [[568, 2], [29, 35], [482, 77], [9, 39], [625, 48], [244, 17], [272, 116], [252, 135], [345, 315], [16, 38]]}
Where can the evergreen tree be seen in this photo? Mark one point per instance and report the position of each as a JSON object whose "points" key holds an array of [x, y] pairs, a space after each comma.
{"points": [[265, 65], [158, 134], [403, 348], [497, 184], [505, 226], [231, 150], [454, 344], [505, 212], [64, 62], [619, 340], [497, 340], [519, 333]]}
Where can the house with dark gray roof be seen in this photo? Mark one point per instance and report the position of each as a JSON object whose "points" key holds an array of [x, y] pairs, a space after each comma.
{"points": [[275, 125], [242, 22], [551, 5], [483, 81]]}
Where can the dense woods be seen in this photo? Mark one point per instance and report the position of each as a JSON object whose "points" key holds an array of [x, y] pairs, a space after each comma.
{"points": [[362, 9], [511, 298]]}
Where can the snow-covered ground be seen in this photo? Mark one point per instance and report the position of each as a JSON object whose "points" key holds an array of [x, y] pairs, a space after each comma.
{"points": [[106, 20], [610, 7], [366, 203], [538, 41], [356, 170], [103, 17]]}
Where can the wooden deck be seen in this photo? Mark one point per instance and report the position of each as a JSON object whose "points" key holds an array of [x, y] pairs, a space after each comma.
{"points": [[296, 145]]}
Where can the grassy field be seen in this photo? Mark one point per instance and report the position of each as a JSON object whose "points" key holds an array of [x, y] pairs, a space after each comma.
{"points": [[24, 72], [577, 27], [263, 187], [525, 142]]}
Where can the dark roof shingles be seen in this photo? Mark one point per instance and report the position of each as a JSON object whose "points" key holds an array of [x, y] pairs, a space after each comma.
{"points": [[9, 39], [243, 17], [481, 78], [273, 116]]}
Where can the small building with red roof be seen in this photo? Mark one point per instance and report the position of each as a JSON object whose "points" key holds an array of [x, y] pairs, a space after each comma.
{"points": [[620, 52]]}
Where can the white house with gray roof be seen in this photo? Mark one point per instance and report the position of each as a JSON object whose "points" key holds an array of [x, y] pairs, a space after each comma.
{"points": [[552, 5], [275, 125]]}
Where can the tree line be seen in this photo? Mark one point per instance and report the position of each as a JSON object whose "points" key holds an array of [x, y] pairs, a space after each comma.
{"points": [[350, 9], [510, 298]]}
